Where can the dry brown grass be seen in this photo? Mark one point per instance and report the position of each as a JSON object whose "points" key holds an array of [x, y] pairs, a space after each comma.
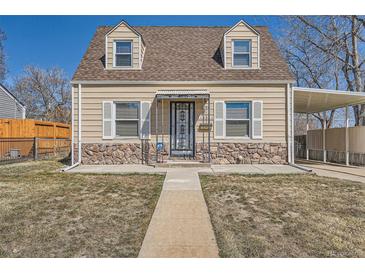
{"points": [[286, 216], [44, 213]]}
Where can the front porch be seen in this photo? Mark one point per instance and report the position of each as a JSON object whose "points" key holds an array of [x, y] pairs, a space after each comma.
{"points": [[181, 126]]}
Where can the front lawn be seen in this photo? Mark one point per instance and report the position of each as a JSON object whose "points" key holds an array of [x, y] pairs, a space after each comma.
{"points": [[44, 213], [286, 215]]}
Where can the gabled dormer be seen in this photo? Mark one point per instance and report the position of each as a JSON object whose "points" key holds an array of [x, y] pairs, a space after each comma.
{"points": [[240, 47], [124, 48]]}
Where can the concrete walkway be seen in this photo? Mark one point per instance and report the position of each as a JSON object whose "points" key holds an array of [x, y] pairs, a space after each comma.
{"points": [[118, 169], [352, 173], [213, 169], [180, 226]]}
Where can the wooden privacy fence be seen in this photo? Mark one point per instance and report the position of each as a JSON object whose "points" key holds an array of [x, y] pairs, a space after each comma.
{"points": [[335, 145], [33, 139], [28, 128]]}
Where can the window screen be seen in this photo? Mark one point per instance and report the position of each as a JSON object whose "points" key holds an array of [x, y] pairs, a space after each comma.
{"points": [[127, 119], [237, 119], [123, 53], [241, 53]]}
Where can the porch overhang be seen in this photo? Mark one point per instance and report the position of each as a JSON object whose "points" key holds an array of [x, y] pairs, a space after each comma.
{"points": [[182, 94], [310, 100]]}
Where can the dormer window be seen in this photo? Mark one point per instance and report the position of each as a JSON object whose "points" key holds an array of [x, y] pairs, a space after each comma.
{"points": [[122, 54], [241, 53], [124, 48]]}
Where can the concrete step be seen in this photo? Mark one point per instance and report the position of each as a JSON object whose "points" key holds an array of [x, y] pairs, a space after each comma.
{"points": [[182, 163]]}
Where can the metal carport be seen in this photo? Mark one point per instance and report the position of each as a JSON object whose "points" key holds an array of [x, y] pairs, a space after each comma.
{"points": [[311, 100]]}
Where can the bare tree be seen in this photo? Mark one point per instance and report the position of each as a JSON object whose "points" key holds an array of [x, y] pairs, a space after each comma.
{"points": [[300, 125], [46, 93], [2, 56], [327, 52]]}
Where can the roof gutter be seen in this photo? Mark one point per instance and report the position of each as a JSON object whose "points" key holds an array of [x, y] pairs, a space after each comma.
{"points": [[330, 91], [228, 82]]}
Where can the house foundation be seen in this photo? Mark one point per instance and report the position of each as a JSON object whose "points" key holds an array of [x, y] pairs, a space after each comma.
{"points": [[221, 153]]}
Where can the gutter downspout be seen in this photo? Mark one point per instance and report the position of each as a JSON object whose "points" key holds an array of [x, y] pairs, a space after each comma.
{"points": [[300, 167], [79, 132], [292, 125], [288, 123], [291, 148], [72, 125]]}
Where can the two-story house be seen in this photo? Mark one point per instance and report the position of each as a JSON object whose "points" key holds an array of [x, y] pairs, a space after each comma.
{"points": [[211, 94]]}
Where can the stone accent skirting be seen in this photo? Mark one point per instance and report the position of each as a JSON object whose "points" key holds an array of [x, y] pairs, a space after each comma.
{"points": [[221, 153], [247, 153], [111, 154], [117, 154]]}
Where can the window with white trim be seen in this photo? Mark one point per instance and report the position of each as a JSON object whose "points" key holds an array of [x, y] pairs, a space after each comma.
{"points": [[127, 119], [241, 53], [122, 53], [238, 119]]}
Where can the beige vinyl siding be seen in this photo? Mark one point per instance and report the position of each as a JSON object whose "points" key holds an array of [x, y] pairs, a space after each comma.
{"points": [[274, 108], [143, 49], [123, 32], [241, 31], [273, 97]]}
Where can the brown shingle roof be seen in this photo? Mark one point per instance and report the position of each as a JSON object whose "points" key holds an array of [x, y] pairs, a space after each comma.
{"points": [[182, 54]]}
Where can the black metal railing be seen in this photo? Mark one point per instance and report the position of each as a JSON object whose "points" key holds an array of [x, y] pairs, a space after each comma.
{"points": [[145, 148]]}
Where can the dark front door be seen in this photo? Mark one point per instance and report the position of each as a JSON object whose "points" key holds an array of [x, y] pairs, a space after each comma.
{"points": [[182, 128]]}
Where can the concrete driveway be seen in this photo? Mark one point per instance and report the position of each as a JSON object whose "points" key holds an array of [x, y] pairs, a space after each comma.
{"points": [[352, 173]]}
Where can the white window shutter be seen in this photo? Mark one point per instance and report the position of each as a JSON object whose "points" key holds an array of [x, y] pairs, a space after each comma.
{"points": [[257, 123], [108, 123], [219, 119], [145, 120]]}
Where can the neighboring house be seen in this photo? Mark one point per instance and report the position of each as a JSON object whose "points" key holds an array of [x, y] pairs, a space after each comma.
{"points": [[10, 106], [213, 94]]}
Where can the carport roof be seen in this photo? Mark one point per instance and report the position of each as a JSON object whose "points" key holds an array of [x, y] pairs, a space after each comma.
{"points": [[310, 100]]}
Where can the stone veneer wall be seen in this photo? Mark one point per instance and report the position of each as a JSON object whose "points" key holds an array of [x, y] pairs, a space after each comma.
{"points": [[111, 154], [247, 153], [221, 153]]}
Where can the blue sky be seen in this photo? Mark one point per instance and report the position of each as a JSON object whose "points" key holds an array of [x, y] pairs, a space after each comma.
{"points": [[48, 41]]}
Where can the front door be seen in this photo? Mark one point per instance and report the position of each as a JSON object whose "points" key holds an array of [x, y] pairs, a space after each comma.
{"points": [[182, 128]]}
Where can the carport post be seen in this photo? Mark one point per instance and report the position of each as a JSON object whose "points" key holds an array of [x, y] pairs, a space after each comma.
{"points": [[156, 128], [292, 123], [347, 137], [209, 159], [306, 138], [324, 137]]}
